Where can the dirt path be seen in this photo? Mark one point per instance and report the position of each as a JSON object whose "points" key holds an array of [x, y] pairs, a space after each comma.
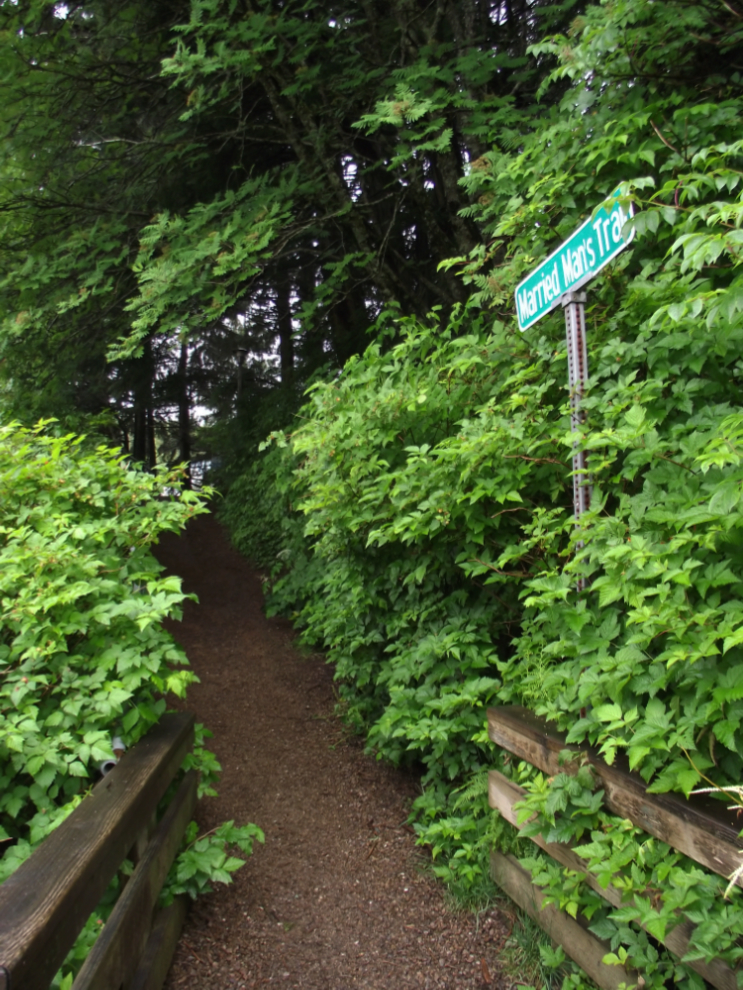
{"points": [[336, 898]]}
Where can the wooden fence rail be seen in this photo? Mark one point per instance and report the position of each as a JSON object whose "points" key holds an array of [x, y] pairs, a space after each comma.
{"points": [[46, 902], [587, 950], [700, 828]]}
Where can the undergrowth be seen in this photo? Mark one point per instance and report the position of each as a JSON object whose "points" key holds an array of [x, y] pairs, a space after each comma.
{"points": [[429, 544], [84, 656]]}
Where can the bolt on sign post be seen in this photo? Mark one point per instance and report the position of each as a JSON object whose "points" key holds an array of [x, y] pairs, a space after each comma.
{"points": [[556, 282]]}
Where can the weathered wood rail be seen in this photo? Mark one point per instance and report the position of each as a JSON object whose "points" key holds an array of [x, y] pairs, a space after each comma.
{"points": [[702, 829], [46, 902]]}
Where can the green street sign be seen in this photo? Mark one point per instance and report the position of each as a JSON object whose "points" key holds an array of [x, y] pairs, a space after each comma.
{"points": [[574, 263]]}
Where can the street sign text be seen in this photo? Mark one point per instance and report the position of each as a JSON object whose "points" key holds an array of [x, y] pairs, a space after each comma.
{"points": [[573, 263]]}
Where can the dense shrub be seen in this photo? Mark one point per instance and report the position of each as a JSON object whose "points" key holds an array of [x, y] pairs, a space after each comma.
{"points": [[434, 479], [261, 533], [83, 653]]}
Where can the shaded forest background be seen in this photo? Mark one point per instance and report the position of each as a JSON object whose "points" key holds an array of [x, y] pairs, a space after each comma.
{"points": [[207, 203]]}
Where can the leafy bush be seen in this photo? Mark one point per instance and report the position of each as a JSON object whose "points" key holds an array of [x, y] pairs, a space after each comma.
{"points": [[206, 860], [257, 506], [434, 479], [83, 654], [260, 533]]}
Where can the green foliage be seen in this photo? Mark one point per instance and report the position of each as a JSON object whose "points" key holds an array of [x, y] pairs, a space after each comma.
{"points": [[207, 172], [77, 127], [413, 638], [82, 649], [433, 476], [256, 511], [83, 654], [206, 860], [325, 165], [531, 958], [192, 268], [256, 508]]}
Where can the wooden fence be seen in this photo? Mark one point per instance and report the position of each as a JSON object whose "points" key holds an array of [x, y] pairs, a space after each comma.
{"points": [[701, 828], [46, 902]]}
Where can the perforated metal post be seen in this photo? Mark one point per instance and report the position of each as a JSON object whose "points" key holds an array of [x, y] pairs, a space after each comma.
{"points": [[575, 322]]}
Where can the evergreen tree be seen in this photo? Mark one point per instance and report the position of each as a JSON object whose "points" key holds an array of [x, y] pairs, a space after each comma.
{"points": [[216, 173]]}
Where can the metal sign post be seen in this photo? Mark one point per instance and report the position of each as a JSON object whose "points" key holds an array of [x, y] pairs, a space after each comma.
{"points": [[574, 304], [555, 282]]}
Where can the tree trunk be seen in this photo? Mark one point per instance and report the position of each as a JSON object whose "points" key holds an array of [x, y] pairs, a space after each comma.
{"points": [[184, 414], [286, 330], [143, 435], [151, 454], [139, 443]]}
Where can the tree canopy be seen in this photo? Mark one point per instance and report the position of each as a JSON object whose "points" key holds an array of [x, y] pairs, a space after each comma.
{"points": [[236, 178]]}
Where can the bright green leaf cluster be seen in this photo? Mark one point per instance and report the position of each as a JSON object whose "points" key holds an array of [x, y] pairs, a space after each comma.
{"points": [[440, 561], [83, 652], [83, 655], [206, 859]]}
